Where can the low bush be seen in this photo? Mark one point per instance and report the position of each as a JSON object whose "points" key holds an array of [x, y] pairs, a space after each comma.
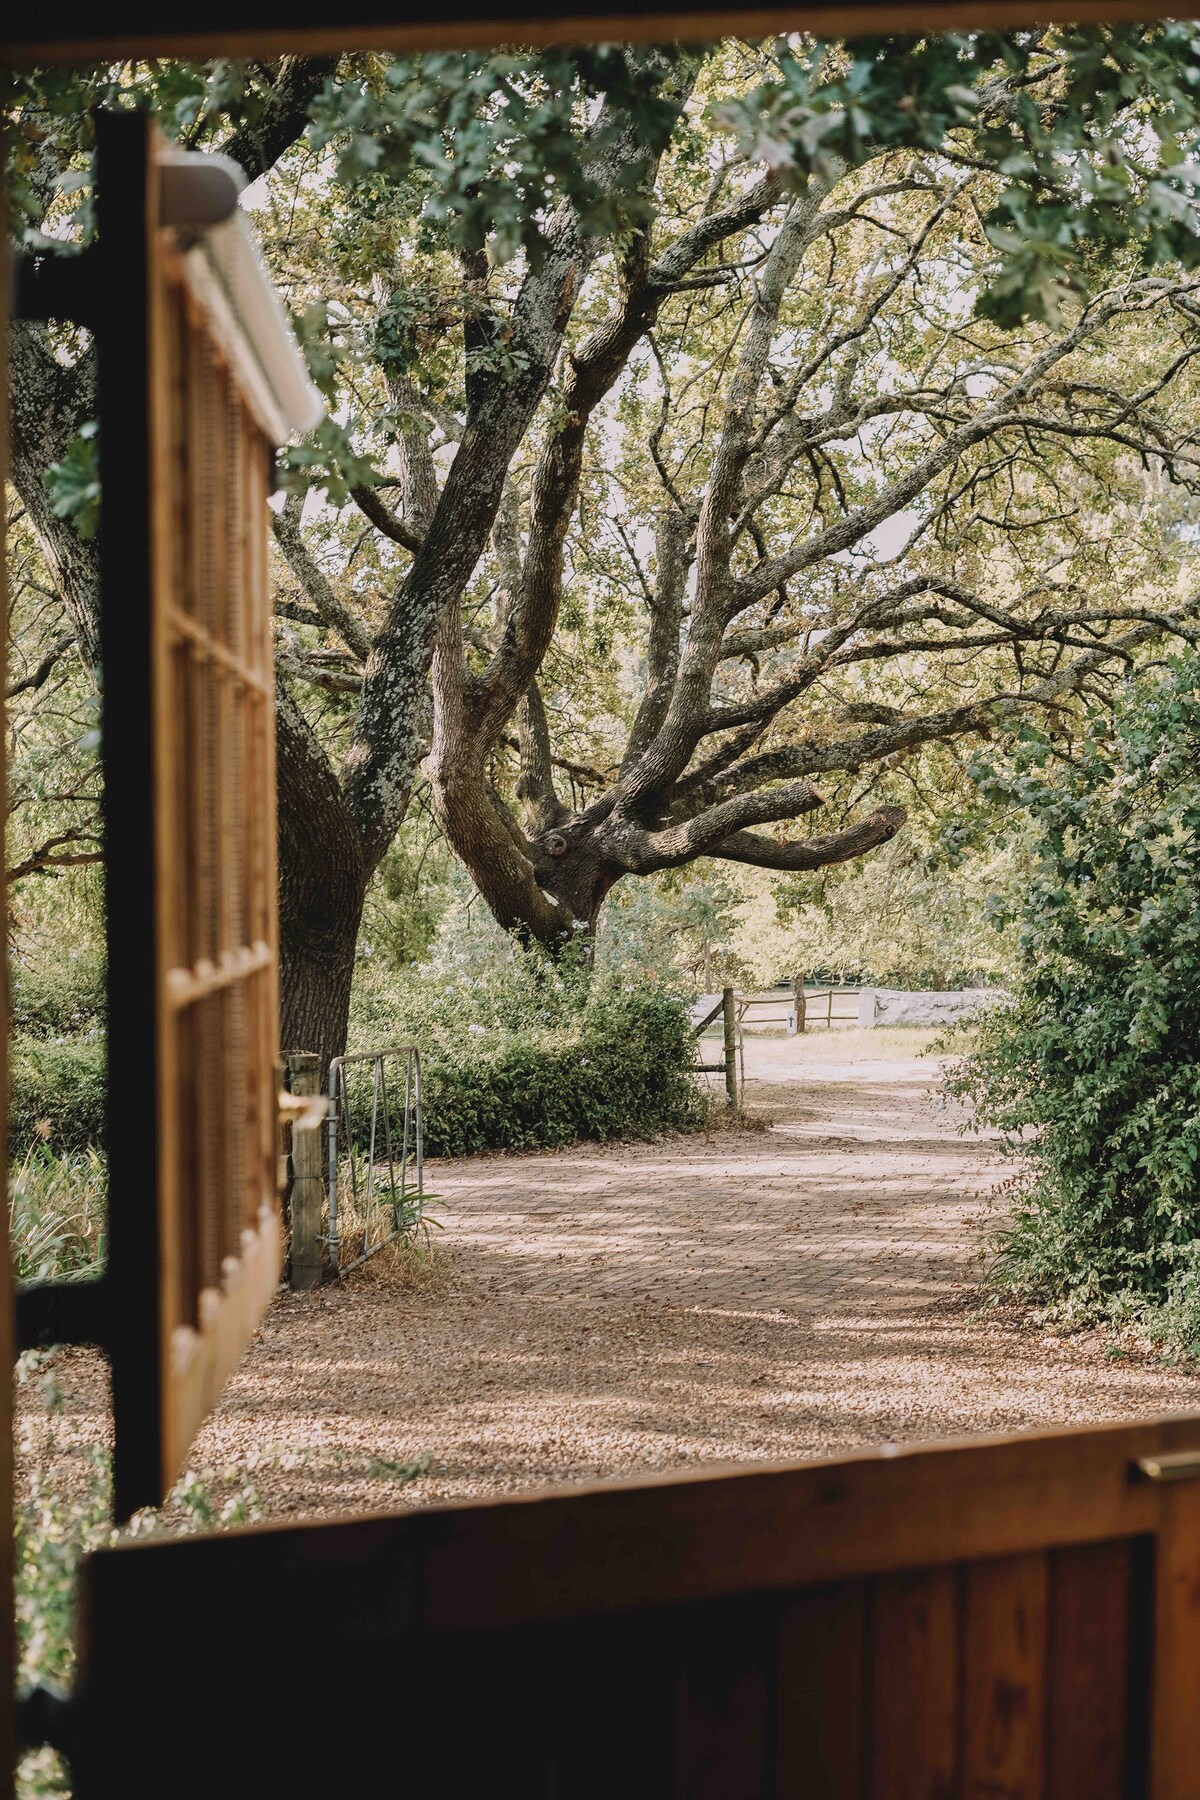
{"points": [[56, 1091], [520, 1053], [1093, 1073], [63, 998], [624, 1070]]}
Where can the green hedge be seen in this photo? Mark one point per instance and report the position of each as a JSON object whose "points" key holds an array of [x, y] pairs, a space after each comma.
{"points": [[622, 1068], [624, 1072], [1092, 1074], [56, 1092]]}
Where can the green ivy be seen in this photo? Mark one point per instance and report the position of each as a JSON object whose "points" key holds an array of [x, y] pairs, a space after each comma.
{"points": [[1093, 1073]]}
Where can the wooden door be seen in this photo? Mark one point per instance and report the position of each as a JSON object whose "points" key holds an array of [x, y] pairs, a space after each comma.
{"points": [[1011, 1619], [198, 381], [193, 991]]}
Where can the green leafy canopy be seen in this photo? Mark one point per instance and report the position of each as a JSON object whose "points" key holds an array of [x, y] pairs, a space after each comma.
{"points": [[491, 142], [1092, 131], [1093, 1073]]}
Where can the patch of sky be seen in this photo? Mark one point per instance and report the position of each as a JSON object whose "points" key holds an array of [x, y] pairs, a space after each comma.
{"points": [[888, 540]]}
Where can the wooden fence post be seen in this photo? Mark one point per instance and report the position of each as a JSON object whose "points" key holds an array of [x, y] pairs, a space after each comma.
{"points": [[799, 1003], [729, 1019], [307, 1186]]}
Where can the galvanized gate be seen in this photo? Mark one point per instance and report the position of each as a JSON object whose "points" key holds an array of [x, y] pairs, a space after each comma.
{"points": [[387, 1188]]}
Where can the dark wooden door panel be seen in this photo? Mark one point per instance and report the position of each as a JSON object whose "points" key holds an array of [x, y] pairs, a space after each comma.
{"points": [[726, 1693], [1095, 1638], [914, 1692], [1004, 1664], [820, 1723], [484, 1638]]}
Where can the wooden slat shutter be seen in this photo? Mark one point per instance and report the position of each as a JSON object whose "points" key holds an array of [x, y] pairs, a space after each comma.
{"points": [[199, 380], [215, 930], [199, 1048]]}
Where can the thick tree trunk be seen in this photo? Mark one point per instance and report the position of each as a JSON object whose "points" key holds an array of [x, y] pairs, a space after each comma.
{"points": [[546, 889], [50, 401], [573, 870], [315, 993], [322, 884]]}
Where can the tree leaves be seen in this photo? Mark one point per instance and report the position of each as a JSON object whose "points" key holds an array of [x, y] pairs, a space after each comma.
{"points": [[1090, 129], [74, 483], [502, 139], [1094, 1074]]}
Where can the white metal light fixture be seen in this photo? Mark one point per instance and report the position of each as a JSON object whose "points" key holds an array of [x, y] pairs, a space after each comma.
{"points": [[224, 268]]}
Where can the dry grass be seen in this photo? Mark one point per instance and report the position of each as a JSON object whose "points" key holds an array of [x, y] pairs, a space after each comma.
{"points": [[57, 1214], [352, 1216], [415, 1264]]}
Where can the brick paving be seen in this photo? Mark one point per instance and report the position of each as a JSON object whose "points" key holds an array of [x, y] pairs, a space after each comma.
{"points": [[793, 1291], [860, 1197]]}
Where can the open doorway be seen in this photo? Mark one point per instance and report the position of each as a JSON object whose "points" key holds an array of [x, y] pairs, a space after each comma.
{"points": [[769, 511]]}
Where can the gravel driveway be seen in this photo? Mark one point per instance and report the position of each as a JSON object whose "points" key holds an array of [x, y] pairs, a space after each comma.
{"points": [[787, 1291]]}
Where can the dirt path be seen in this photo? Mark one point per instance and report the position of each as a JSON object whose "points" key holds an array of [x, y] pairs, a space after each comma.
{"points": [[786, 1292]]}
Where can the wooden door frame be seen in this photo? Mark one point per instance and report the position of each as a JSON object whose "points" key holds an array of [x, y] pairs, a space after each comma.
{"points": [[86, 30], [78, 32]]}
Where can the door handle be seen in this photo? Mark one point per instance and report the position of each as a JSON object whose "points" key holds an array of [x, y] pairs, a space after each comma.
{"points": [[1172, 1465]]}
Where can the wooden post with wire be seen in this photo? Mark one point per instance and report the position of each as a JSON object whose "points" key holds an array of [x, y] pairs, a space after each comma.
{"points": [[729, 1021], [306, 1186]]}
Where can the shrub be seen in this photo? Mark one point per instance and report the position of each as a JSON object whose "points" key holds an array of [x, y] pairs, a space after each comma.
{"points": [[623, 1071], [56, 1091], [521, 1053], [1093, 1073], [63, 998]]}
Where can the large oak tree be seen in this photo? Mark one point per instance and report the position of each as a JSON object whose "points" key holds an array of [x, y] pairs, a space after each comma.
{"points": [[605, 354]]}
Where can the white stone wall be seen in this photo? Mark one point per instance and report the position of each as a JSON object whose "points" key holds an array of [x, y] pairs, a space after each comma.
{"points": [[892, 1006]]}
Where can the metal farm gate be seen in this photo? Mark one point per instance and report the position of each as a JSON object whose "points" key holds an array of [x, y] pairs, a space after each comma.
{"points": [[387, 1178]]}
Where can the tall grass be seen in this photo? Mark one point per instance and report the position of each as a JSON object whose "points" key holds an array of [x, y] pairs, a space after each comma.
{"points": [[58, 1214]]}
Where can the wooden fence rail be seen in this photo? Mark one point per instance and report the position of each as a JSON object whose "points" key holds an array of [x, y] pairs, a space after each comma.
{"points": [[726, 1007]]}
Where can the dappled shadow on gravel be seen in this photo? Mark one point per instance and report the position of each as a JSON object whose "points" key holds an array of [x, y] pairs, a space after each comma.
{"points": [[781, 1293]]}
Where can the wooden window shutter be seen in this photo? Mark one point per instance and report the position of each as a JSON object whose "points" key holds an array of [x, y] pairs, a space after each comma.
{"points": [[199, 382]]}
